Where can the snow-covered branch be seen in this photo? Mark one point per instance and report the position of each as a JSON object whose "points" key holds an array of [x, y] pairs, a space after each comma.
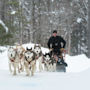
{"points": [[3, 24]]}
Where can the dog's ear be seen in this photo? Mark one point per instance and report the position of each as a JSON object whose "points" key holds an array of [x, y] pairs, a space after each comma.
{"points": [[27, 48], [30, 49], [49, 54], [44, 54], [23, 49], [39, 45], [34, 46]]}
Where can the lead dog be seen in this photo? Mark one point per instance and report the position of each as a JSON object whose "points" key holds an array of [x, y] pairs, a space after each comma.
{"points": [[30, 62]]}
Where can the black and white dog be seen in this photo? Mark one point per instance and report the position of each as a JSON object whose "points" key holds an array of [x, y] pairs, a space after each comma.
{"points": [[39, 56], [49, 62], [30, 62]]}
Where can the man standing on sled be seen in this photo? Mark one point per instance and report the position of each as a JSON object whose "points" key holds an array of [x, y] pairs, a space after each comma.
{"points": [[56, 45]]}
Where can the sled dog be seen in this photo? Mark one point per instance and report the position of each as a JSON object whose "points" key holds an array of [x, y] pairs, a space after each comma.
{"points": [[13, 60], [39, 56], [29, 62], [49, 63]]}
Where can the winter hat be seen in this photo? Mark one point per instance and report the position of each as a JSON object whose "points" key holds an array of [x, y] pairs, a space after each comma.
{"points": [[55, 31]]}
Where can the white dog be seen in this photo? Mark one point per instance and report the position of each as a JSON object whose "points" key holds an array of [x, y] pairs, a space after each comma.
{"points": [[30, 62], [13, 60], [39, 56]]}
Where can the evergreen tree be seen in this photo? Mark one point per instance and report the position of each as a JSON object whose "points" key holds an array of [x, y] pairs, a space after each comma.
{"points": [[4, 37]]}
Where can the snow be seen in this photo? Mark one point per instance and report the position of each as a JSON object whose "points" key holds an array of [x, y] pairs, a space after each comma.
{"points": [[45, 81], [77, 63], [76, 78], [3, 24], [13, 12], [79, 20], [52, 0]]}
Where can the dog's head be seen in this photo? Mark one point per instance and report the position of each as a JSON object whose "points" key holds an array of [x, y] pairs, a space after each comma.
{"points": [[11, 53], [47, 57], [29, 55], [37, 49], [20, 50]]}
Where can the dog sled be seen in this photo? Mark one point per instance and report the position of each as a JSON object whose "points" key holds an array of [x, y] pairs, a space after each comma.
{"points": [[60, 67], [61, 64]]}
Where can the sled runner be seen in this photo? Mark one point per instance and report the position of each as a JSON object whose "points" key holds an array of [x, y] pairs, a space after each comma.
{"points": [[60, 67]]}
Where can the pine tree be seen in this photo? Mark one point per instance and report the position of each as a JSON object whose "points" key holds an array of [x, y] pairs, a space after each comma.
{"points": [[4, 37]]}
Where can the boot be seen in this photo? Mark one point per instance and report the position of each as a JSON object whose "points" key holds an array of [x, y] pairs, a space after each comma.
{"points": [[63, 62]]}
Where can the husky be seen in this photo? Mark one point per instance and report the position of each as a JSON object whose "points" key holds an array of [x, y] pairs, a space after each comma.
{"points": [[20, 51], [49, 63], [29, 62], [39, 56], [13, 60]]}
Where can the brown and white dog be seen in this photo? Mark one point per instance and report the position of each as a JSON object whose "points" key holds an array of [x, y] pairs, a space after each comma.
{"points": [[39, 56], [29, 62], [13, 60], [20, 51]]}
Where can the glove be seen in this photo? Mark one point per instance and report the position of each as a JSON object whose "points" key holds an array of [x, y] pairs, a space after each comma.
{"points": [[50, 49], [62, 49]]}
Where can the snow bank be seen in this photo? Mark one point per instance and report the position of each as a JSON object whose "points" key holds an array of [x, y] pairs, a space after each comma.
{"points": [[2, 48], [77, 63], [3, 61]]}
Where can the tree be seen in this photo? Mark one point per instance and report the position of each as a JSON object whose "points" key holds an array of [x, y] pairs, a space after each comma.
{"points": [[4, 37], [88, 28]]}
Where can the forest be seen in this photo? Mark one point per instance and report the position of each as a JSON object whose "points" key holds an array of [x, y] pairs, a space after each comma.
{"points": [[33, 21]]}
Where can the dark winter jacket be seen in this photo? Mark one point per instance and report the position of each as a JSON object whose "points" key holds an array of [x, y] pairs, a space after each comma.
{"points": [[55, 42]]}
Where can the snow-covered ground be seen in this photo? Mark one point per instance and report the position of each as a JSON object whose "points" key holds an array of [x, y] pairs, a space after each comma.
{"points": [[76, 78]]}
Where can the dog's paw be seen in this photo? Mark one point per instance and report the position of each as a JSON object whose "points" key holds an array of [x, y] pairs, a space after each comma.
{"points": [[27, 74], [14, 74], [11, 71], [32, 74], [18, 71]]}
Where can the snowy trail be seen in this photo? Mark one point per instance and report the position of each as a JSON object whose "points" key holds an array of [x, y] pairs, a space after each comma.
{"points": [[45, 81]]}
